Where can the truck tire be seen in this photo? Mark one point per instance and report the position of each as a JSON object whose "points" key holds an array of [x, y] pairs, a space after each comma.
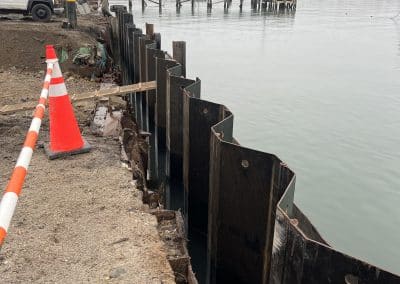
{"points": [[41, 13]]}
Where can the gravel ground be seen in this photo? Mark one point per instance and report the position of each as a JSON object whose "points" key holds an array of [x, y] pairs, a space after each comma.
{"points": [[79, 219]]}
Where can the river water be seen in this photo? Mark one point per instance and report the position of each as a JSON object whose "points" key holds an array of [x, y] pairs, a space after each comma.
{"points": [[321, 89]]}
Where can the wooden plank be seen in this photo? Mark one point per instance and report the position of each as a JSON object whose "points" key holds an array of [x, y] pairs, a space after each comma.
{"points": [[123, 90]]}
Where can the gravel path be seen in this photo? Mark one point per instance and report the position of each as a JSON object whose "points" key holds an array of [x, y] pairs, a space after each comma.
{"points": [[79, 219]]}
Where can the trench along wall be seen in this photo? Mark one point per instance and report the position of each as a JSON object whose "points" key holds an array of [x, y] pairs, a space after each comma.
{"points": [[238, 199]]}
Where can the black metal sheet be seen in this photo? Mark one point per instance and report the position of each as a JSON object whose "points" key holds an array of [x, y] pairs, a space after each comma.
{"points": [[300, 255], [174, 126], [152, 54], [199, 117], [138, 33], [179, 54], [143, 42], [127, 20], [137, 97], [161, 104], [240, 202], [130, 29]]}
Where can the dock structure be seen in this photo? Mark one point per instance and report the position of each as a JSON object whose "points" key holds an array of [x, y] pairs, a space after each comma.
{"points": [[256, 5], [237, 202]]}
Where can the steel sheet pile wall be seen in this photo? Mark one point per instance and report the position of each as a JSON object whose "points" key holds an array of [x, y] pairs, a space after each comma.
{"points": [[240, 199]]}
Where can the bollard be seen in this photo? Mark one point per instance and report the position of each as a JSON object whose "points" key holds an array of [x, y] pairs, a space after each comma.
{"points": [[71, 12]]}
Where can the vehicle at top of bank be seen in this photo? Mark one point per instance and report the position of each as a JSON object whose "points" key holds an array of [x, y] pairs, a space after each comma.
{"points": [[40, 10]]}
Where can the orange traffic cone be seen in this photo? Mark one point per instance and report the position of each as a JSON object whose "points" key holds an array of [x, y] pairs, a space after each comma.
{"points": [[65, 136]]}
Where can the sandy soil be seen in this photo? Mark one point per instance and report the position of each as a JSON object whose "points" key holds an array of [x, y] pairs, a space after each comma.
{"points": [[15, 38], [79, 219]]}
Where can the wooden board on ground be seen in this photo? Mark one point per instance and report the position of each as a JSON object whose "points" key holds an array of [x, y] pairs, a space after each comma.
{"points": [[123, 90]]}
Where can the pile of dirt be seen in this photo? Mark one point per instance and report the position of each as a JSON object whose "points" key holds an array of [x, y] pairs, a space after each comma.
{"points": [[22, 44]]}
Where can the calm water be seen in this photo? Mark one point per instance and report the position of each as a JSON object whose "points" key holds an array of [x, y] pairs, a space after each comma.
{"points": [[321, 89]]}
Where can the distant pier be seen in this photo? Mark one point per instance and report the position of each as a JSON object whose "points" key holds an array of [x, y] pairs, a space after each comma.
{"points": [[256, 5]]}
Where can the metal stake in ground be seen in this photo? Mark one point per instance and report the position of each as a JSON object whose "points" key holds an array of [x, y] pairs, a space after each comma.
{"points": [[71, 12]]}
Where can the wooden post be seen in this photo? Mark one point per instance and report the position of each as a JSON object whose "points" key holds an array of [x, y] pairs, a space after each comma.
{"points": [[179, 54], [150, 30], [71, 11], [209, 5]]}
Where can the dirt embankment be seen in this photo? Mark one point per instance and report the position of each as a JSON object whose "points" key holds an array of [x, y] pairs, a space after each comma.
{"points": [[79, 219], [22, 44]]}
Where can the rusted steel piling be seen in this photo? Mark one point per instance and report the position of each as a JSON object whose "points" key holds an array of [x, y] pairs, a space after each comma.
{"points": [[239, 200]]}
